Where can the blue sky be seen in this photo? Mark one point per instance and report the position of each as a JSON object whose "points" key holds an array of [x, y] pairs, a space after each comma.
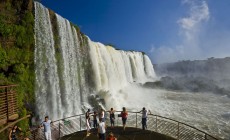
{"points": [[166, 30]]}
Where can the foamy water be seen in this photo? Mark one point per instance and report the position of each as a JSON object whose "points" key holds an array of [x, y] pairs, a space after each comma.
{"points": [[206, 111]]}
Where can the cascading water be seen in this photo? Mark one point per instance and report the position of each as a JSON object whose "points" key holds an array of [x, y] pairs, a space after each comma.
{"points": [[66, 65], [47, 89], [69, 68]]}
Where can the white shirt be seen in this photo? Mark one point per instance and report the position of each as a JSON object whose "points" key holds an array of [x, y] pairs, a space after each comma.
{"points": [[46, 126], [101, 127], [144, 113], [102, 114]]}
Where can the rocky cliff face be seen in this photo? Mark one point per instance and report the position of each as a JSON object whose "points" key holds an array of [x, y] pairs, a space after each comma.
{"points": [[212, 75], [213, 68]]}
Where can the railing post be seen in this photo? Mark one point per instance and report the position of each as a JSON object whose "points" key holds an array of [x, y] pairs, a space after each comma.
{"points": [[59, 129], [156, 123], [178, 130], [7, 105], [117, 122], [136, 120], [80, 122], [34, 134]]}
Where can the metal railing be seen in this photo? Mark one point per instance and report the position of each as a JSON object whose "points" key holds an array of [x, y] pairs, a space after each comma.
{"points": [[8, 104], [156, 123]]}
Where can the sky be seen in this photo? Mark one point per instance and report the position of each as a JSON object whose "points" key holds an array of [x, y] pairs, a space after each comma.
{"points": [[166, 30]]}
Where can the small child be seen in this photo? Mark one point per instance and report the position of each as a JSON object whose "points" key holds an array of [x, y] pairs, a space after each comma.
{"points": [[111, 137]]}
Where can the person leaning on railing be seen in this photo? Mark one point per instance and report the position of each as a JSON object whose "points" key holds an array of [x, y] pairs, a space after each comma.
{"points": [[144, 117], [112, 116], [47, 128], [13, 132], [95, 123], [124, 115], [88, 124], [102, 115]]}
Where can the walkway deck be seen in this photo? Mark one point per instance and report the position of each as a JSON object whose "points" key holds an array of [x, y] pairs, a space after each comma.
{"points": [[128, 134]]}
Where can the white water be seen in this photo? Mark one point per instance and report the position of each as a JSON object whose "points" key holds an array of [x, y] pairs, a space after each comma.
{"points": [[206, 111], [115, 69], [62, 86], [61, 75], [47, 89]]}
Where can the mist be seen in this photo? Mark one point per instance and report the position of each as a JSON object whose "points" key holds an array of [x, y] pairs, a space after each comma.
{"points": [[208, 112]]}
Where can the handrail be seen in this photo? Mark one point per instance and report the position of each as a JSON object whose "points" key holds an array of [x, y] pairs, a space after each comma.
{"points": [[68, 117], [13, 123], [184, 124], [175, 121], [5, 86], [8, 99], [158, 118]]}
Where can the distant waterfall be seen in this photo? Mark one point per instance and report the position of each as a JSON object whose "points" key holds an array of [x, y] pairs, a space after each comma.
{"points": [[69, 66], [114, 69]]}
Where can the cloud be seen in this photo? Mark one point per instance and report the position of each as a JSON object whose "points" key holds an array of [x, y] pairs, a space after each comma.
{"points": [[198, 14], [190, 27]]}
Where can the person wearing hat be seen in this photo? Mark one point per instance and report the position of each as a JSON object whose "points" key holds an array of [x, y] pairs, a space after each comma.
{"points": [[144, 117], [111, 137]]}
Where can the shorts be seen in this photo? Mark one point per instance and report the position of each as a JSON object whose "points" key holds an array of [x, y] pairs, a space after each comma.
{"points": [[144, 120], [124, 120], [112, 120]]}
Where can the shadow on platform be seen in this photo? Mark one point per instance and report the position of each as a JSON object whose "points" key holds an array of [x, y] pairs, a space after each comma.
{"points": [[129, 134]]}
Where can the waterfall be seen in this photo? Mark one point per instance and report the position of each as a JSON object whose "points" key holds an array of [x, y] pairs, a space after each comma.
{"points": [[115, 69], [47, 89], [69, 67]]}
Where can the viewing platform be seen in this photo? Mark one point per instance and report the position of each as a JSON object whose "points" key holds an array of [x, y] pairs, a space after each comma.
{"points": [[158, 127], [129, 134], [74, 127]]}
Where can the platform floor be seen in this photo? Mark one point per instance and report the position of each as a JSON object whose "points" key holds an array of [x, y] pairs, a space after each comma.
{"points": [[128, 134]]}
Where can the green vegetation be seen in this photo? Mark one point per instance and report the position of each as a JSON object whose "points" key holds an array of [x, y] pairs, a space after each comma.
{"points": [[16, 52]]}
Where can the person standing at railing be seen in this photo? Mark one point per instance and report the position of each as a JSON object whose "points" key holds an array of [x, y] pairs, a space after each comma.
{"points": [[95, 119], [102, 115], [13, 132], [87, 126], [87, 117], [124, 115], [112, 117], [101, 129], [144, 117], [47, 128]]}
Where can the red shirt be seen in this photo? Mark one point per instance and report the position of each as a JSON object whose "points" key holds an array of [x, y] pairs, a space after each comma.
{"points": [[111, 138], [124, 114]]}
